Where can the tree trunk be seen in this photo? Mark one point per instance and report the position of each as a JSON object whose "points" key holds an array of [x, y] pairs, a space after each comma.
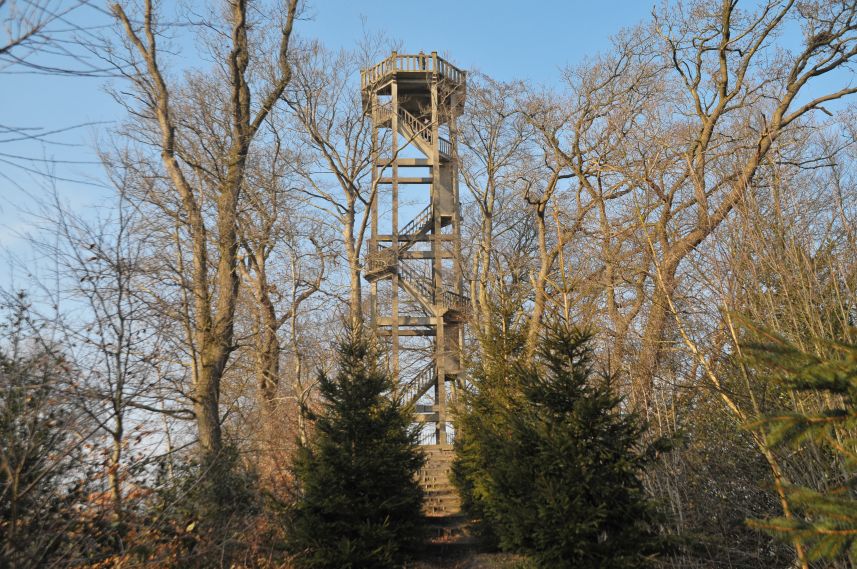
{"points": [[207, 401], [540, 294], [652, 346], [355, 296]]}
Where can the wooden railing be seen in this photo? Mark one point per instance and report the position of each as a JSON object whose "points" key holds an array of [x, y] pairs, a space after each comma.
{"points": [[381, 260], [416, 228], [422, 130], [427, 438], [384, 112], [418, 385], [402, 62], [444, 147], [454, 301], [450, 71]]}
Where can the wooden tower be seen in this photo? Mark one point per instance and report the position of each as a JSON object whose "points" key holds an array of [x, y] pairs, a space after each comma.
{"points": [[413, 257]]}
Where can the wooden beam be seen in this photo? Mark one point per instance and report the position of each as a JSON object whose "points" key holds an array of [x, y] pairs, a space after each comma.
{"points": [[405, 163], [407, 180], [387, 238], [408, 321], [414, 162], [425, 255], [426, 417], [408, 332]]}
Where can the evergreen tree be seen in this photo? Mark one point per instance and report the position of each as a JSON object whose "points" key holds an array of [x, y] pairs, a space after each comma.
{"points": [[359, 504], [552, 465], [826, 518]]}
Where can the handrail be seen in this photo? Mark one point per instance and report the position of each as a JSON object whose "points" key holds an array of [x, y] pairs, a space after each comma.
{"points": [[419, 383], [416, 125], [384, 112], [416, 228], [454, 301], [380, 260], [418, 281], [384, 257], [444, 147], [427, 438], [411, 63], [423, 131]]}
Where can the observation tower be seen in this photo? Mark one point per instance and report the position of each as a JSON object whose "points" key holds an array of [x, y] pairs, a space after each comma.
{"points": [[413, 258]]}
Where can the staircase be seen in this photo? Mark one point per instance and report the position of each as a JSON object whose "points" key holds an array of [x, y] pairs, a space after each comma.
{"points": [[441, 497], [416, 228], [384, 258], [417, 284], [422, 381], [415, 130], [420, 287]]}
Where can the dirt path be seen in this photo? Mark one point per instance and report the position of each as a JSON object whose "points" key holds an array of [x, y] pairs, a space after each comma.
{"points": [[452, 546]]}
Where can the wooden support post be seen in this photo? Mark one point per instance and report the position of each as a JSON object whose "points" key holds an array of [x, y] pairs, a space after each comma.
{"points": [[437, 261], [394, 90], [372, 248]]}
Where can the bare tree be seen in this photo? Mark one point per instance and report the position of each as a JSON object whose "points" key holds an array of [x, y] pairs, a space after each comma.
{"points": [[283, 265], [336, 136], [44, 37], [675, 177], [214, 277], [117, 340], [739, 107], [494, 143]]}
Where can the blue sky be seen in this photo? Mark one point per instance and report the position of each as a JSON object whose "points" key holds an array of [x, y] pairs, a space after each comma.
{"points": [[504, 38]]}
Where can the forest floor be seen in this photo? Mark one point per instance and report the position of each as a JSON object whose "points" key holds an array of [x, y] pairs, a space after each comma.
{"points": [[452, 546]]}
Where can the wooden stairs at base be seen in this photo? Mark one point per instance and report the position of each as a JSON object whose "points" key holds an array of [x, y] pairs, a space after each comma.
{"points": [[441, 497]]}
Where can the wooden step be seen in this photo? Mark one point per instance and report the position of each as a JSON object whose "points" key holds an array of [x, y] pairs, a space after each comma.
{"points": [[441, 496]]}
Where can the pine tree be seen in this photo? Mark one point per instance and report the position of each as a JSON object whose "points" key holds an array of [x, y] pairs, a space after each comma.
{"points": [[359, 504], [552, 465], [826, 519]]}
